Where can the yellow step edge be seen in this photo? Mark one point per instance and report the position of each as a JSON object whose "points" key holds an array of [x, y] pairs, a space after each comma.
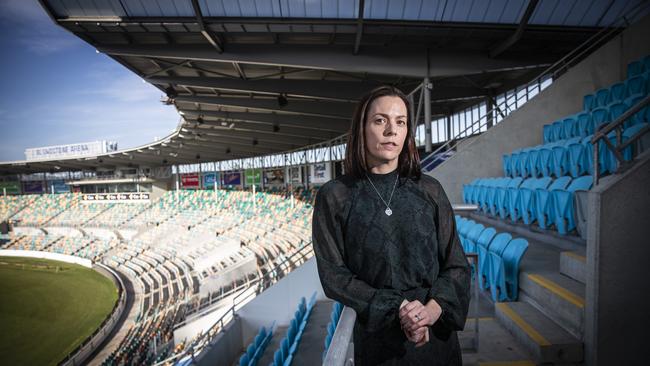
{"points": [[558, 290], [576, 256], [508, 363], [532, 333]]}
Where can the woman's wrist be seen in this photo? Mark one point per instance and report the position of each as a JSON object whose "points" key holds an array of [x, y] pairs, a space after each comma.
{"points": [[435, 309]]}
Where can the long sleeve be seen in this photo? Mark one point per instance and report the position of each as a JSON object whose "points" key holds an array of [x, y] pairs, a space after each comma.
{"points": [[451, 290], [377, 308]]}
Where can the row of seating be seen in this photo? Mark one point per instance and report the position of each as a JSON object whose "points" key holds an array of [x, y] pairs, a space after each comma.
{"points": [[543, 200], [284, 354], [632, 86], [586, 123], [572, 156], [255, 350], [499, 256], [337, 308]]}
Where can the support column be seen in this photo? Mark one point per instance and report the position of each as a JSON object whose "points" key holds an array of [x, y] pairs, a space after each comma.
{"points": [[427, 115], [489, 109], [449, 136]]}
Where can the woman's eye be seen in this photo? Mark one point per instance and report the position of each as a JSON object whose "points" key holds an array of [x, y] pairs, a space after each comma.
{"points": [[380, 120], [401, 122]]}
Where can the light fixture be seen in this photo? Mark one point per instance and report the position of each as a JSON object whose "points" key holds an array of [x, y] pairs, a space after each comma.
{"points": [[254, 141], [231, 125], [171, 92], [227, 150], [276, 128], [199, 120]]}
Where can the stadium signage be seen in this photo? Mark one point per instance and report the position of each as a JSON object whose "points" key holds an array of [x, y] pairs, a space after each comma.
{"points": [[71, 150], [116, 197], [9, 187], [190, 180]]}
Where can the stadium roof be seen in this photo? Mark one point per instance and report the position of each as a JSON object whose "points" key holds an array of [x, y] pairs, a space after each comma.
{"points": [[265, 76]]}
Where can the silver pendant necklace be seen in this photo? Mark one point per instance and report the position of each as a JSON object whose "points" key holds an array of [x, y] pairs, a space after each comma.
{"points": [[388, 211]]}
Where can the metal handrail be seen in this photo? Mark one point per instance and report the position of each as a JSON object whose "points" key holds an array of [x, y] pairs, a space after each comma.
{"points": [[564, 63], [220, 323], [617, 125]]}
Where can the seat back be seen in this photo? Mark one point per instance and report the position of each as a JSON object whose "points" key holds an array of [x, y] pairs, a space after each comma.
{"points": [[512, 255], [636, 85], [569, 126], [617, 92], [560, 183], [499, 243], [616, 110], [584, 124], [602, 97], [635, 68], [486, 237], [515, 182], [542, 183], [581, 184], [588, 102], [548, 133], [475, 232], [558, 131], [599, 116]]}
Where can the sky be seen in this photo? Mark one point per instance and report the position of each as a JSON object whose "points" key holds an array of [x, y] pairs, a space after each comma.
{"points": [[56, 89]]}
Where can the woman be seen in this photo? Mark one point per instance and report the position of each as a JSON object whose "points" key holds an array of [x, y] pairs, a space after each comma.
{"points": [[386, 244]]}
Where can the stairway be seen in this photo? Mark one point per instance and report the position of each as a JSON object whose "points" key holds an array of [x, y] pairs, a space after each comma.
{"points": [[548, 318]]}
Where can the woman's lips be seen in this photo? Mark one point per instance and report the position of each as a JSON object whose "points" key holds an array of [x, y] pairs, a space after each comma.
{"points": [[389, 146]]}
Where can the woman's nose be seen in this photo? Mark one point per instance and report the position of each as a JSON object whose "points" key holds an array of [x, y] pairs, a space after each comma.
{"points": [[390, 128]]}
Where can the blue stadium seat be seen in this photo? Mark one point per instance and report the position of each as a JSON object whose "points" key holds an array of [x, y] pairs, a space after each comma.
{"points": [[577, 161], [561, 158], [514, 163], [515, 206], [558, 131], [635, 68], [588, 103], [544, 203], [646, 63], [616, 110], [570, 127], [472, 237], [617, 93], [527, 203], [250, 351], [482, 249], [492, 194], [496, 246], [278, 360], [533, 161], [548, 133], [641, 116], [545, 159], [599, 117], [503, 196], [243, 360], [635, 149], [506, 165], [512, 256], [563, 203], [496, 277], [636, 85], [523, 163], [602, 97], [584, 123]]}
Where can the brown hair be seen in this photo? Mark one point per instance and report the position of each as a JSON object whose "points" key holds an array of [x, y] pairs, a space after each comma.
{"points": [[408, 163]]}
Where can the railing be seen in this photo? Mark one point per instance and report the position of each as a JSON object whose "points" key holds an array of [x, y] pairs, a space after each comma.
{"points": [[257, 286], [554, 71], [617, 125]]}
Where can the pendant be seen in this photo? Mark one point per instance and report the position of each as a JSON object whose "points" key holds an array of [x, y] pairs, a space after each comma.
{"points": [[389, 212]]}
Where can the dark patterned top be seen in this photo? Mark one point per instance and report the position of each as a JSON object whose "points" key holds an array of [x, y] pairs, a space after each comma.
{"points": [[370, 262]]}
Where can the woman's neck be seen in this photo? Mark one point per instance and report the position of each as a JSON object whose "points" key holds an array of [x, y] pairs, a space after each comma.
{"points": [[383, 167]]}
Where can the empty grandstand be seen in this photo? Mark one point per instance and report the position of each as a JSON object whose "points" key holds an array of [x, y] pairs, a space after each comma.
{"points": [[533, 115]]}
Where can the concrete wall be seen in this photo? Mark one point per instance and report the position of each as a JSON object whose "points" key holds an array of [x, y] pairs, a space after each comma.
{"points": [[618, 250], [482, 157], [47, 255]]}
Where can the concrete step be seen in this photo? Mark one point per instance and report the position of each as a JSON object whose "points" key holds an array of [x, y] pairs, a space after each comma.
{"points": [[544, 339], [573, 264], [557, 296]]}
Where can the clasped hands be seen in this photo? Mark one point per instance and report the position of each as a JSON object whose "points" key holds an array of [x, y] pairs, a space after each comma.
{"points": [[416, 318]]}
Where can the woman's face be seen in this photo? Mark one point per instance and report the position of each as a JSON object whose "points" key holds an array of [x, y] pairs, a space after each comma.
{"points": [[386, 128]]}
